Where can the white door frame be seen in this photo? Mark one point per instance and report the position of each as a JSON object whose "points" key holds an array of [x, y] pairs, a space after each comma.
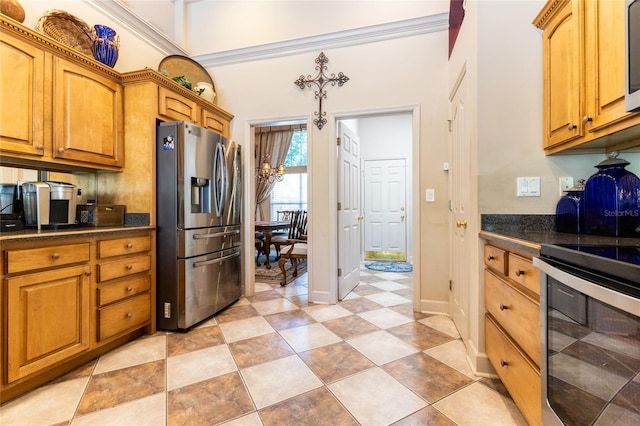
{"points": [[249, 189], [413, 182]]}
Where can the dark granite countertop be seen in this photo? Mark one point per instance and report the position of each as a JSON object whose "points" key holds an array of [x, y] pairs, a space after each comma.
{"points": [[34, 234], [528, 232]]}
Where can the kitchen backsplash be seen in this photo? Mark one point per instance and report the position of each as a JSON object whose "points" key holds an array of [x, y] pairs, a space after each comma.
{"points": [[517, 222]]}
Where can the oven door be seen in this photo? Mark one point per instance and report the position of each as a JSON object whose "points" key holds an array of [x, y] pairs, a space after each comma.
{"points": [[590, 359]]}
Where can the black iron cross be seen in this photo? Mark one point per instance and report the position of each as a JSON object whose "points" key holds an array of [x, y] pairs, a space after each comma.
{"points": [[320, 81]]}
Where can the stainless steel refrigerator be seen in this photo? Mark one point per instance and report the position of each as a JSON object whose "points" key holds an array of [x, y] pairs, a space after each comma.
{"points": [[199, 208]]}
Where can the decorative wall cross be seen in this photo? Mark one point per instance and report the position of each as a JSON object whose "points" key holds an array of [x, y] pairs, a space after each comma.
{"points": [[321, 81]]}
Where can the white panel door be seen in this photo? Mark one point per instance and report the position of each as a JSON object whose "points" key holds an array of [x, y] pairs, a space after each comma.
{"points": [[349, 230], [385, 230], [460, 199]]}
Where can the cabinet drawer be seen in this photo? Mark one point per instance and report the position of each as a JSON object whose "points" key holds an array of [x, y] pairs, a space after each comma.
{"points": [[122, 268], [522, 271], [109, 248], [495, 258], [176, 107], [519, 376], [119, 317], [46, 257], [515, 312], [126, 288]]}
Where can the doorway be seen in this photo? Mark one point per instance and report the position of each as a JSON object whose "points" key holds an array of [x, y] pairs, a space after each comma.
{"points": [[383, 139]]}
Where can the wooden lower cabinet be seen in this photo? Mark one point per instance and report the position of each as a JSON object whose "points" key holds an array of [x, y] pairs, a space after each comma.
{"points": [[518, 374], [48, 319], [512, 325], [70, 299], [124, 292]]}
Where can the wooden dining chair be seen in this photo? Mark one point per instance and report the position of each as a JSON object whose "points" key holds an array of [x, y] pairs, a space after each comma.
{"points": [[281, 239], [296, 248]]}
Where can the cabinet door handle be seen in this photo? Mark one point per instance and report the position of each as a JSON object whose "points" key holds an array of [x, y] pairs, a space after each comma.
{"points": [[503, 363], [586, 119], [61, 150], [129, 315], [129, 245], [129, 289], [88, 273], [40, 147], [55, 256], [571, 126], [490, 258], [129, 267], [503, 307], [519, 272]]}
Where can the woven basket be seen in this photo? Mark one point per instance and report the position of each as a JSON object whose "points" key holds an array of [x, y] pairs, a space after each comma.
{"points": [[67, 29]]}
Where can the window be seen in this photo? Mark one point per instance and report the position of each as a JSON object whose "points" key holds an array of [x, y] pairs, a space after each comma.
{"points": [[291, 193]]}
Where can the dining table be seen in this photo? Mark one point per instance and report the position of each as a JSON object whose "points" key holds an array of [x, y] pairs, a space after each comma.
{"points": [[267, 227]]}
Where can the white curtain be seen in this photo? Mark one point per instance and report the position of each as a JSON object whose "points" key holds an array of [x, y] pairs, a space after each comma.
{"points": [[274, 142]]}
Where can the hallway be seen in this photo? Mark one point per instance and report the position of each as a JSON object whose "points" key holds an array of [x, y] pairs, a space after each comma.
{"points": [[275, 359]]}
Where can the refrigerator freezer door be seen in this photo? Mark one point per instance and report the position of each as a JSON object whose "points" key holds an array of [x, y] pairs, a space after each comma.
{"points": [[210, 284]]}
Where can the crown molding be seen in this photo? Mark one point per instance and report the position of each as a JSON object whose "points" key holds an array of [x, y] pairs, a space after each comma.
{"points": [[127, 17], [351, 37]]}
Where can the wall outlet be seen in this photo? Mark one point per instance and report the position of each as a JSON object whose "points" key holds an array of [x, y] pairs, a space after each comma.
{"points": [[566, 183]]}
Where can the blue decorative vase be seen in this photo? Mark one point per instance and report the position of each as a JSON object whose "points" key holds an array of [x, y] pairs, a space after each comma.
{"points": [[570, 211], [105, 45], [612, 200]]}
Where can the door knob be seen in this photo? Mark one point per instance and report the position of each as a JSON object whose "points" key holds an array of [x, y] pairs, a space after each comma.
{"points": [[461, 224]]}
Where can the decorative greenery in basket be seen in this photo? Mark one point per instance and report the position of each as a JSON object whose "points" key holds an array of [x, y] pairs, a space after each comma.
{"points": [[183, 81]]}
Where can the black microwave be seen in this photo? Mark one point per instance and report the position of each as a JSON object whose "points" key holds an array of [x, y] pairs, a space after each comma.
{"points": [[632, 54]]}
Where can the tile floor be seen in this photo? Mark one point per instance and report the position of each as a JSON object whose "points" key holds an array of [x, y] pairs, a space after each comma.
{"points": [[275, 359]]}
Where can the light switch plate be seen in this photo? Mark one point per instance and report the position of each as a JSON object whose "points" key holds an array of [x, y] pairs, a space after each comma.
{"points": [[528, 187], [430, 195]]}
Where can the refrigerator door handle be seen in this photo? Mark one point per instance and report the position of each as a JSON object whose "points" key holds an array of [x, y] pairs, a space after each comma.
{"points": [[220, 179], [217, 234], [214, 261]]}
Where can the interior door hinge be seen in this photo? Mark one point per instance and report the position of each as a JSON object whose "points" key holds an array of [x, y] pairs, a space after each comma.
{"points": [[450, 285], [450, 123], [338, 141], [339, 272], [339, 206]]}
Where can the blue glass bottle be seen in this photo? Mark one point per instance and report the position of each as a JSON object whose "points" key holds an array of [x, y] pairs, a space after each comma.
{"points": [[570, 210], [612, 200]]}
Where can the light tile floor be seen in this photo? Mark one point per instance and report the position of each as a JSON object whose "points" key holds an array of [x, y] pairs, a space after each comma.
{"points": [[275, 359]]}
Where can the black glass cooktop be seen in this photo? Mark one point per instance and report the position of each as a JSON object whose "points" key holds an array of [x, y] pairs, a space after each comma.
{"points": [[621, 262]]}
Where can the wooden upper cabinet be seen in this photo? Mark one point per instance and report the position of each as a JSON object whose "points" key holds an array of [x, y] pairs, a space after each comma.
{"points": [[59, 109], [562, 54], [216, 122], [22, 101], [583, 68], [88, 116], [176, 107], [604, 73]]}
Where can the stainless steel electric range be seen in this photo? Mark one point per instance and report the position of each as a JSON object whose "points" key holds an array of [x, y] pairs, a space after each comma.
{"points": [[590, 320]]}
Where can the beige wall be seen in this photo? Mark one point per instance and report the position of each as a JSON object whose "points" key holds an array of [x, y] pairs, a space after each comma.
{"points": [[263, 91]]}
